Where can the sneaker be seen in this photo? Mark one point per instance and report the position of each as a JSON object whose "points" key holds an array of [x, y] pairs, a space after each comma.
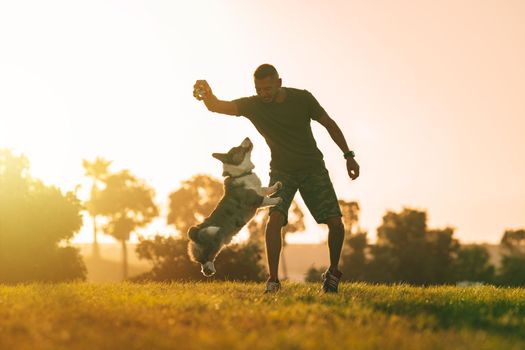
{"points": [[272, 287], [331, 280]]}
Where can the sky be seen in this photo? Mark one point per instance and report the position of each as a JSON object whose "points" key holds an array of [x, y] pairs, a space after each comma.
{"points": [[429, 94]]}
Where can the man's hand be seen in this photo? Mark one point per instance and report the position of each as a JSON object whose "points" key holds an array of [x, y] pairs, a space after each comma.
{"points": [[352, 167], [201, 90]]}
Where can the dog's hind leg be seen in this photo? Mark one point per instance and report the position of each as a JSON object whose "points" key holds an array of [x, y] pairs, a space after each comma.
{"points": [[193, 234], [198, 234], [211, 230]]}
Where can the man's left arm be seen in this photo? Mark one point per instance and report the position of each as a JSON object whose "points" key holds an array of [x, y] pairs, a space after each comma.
{"points": [[337, 135]]}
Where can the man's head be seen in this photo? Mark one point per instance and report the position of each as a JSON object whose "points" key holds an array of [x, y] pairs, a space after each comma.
{"points": [[267, 82]]}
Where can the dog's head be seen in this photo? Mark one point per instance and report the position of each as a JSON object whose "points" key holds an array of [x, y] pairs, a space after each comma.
{"points": [[204, 246], [237, 161]]}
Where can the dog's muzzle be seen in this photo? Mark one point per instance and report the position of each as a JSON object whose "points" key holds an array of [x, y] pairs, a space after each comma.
{"points": [[208, 269]]}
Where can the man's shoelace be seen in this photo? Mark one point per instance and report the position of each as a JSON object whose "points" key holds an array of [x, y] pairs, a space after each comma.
{"points": [[331, 280]]}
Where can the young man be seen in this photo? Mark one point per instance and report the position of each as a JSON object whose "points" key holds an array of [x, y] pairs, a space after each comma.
{"points": [[282, 115]]}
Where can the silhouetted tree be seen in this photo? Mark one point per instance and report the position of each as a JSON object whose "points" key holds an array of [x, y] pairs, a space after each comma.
{"points": [[127, 203], [406, 251], [34, 219], [473, 264], [350, 211], [442, 249], [512, 270], [513, 241], [97, 171], [193, 201], [354, 261], [404, 234], [240, 262]]}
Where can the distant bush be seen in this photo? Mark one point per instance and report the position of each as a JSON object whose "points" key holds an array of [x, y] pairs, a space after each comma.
{"points": [[314, 274]]}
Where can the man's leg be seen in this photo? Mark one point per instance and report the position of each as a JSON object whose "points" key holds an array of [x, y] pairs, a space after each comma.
{"points": [[274, 243], [278, 217], [320, 198], [336, 237]]}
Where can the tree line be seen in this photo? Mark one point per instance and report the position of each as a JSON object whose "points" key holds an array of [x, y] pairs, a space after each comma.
{"points": [[407, 251], [36, 220]]}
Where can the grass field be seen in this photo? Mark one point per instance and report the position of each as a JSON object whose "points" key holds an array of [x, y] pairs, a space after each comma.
{"points": [[237, 316]]}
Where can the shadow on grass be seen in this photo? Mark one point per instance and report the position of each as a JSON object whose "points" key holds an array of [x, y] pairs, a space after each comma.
{"points": [[496, 310]]}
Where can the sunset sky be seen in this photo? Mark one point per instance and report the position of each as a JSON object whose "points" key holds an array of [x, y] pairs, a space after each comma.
{"points": [[429, 94]]}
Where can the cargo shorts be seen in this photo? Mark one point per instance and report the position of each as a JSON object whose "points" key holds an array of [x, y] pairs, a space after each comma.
{"points": [[315, 188]]}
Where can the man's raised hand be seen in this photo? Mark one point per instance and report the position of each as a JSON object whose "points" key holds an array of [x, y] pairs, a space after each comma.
{"points": [[201, 90]]}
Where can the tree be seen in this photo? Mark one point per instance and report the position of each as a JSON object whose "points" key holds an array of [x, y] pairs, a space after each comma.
{"points": [[238, 262], [473, 264], [350, 211], [512, 270], [98, 171], [442, 249], [354, 261], [193, 201], [127, 203], [406, 251], [404, 235], [513, 241], [34, 219]]}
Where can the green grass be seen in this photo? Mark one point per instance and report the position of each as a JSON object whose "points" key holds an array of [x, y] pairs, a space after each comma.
{"points": [[238, 316]]}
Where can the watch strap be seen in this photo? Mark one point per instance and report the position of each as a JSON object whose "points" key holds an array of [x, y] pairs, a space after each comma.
{"points": [[349, 154]]}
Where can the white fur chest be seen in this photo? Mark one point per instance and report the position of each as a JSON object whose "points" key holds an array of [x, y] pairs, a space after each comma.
{"points": [[251, 181]]}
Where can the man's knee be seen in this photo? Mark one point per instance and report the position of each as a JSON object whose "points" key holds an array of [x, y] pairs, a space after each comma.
{"points": [[335, 224]]}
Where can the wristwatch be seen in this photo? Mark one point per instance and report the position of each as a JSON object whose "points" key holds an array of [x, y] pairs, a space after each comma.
{"points": [[349, 154]]}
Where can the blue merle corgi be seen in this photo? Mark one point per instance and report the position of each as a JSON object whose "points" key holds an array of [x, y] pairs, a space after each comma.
{"points": [[243, 195]]}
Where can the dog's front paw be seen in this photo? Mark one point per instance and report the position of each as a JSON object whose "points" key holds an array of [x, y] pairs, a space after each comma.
{"points": [[278, 185]]}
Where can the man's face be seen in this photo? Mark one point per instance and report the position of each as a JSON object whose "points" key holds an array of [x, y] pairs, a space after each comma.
{"points": [[267, 88]]}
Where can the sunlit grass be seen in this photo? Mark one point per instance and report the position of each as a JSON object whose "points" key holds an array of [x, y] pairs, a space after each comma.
{"points": [[239, 316]]}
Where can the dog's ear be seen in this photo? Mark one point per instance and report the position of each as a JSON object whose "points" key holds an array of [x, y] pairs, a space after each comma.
{"points": [[247, 143], [223, 157]]}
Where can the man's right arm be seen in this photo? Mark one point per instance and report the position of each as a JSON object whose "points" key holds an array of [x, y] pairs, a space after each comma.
{"points": [[213, 103], [224, 107]]}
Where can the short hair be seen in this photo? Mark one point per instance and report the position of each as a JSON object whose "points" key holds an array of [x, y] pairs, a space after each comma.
{"points": [[265, 70]]}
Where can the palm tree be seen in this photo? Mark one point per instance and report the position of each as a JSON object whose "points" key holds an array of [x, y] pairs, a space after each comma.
{"points": [[97, 170], [127, 203]]}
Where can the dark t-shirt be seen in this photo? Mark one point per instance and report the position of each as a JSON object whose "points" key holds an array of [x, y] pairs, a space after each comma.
{"points": [[286, 128]]}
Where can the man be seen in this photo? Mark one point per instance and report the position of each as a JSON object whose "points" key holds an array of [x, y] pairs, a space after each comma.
{"points": [[282, 115]]}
